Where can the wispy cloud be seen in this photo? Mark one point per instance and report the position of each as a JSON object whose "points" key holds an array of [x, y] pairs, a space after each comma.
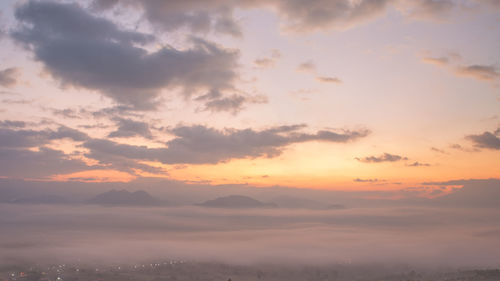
{"points": [[9, 77], [438, 150], [307, 66], [479, 72], [418, 164], [268, 62], [440, 61], [452, 62], [386, 157], [327, 79], [368, 180], [310, 67]]}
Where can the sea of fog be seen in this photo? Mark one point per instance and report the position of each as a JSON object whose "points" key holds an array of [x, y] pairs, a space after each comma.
{"points": [[96, 234]]}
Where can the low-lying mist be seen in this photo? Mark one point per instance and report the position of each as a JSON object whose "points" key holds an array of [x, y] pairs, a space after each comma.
{"points": [[424, 236]]}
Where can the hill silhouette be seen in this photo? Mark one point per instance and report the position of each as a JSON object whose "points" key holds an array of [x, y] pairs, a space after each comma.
{"points": [[125, 198]]}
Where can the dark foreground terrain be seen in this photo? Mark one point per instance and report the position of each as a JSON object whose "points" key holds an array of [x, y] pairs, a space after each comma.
{"points": [[191, 271]]}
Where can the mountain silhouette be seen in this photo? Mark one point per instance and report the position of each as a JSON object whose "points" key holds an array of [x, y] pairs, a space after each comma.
{"points": [[125, 198]]}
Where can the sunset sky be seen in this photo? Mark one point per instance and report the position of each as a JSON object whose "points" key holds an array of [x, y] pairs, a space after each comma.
{"points": [[326, 94]]}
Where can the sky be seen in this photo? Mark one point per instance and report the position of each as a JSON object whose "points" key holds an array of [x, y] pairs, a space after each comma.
{"points": [[340, 94]]}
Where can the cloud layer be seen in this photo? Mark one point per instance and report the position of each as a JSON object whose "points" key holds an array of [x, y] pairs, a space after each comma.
{"points": [[195, 144], [204, 145]]}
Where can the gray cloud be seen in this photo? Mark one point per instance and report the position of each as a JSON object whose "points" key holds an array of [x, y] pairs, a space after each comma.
{"points": [[66, 132], [217, 15], [268, 62], [9, 76], [475, 71], [12, 124], [461, 148], [327, 79], [429, 9], [24, 163], [193, 145], [118, 110], [479, 72], [264, 62], [71, 113], [303, 15], [113, 160], [215, 101], [199, 144], [131, 128], [368, 180], [296, 15], [31, 138], [441, 9], [94, 126], [418, 164], [18, 160], [386, 157], [435, 149], [200, 16], [67, 113], [103, 4], [2, 29], [492, 3], [234, 103], [17, 101], [307, 66], [486, 140], [310, 67], [23, 138], [83, 50], [225, 24]]}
